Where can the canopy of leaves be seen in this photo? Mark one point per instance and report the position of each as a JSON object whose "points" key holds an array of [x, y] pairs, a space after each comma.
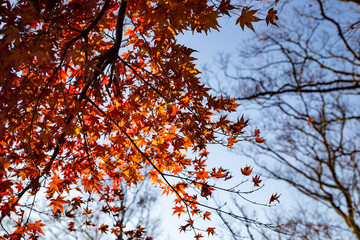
{"points": [[91, 92]]}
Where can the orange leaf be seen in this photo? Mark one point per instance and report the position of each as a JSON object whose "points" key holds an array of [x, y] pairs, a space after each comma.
{"points": [[198, 236], [206, 215], [58, 204], [258, 139], [231, 142], [179, 210], [36, 227], [54, 184], [246, 170], [203, 175]]}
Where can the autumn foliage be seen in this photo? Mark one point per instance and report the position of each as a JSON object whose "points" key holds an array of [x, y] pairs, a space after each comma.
{"points": [[91, 92]]}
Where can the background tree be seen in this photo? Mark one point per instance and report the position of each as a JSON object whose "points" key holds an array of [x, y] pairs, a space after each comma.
{"points": [[91, 93], [303, 77], [298, 222]]}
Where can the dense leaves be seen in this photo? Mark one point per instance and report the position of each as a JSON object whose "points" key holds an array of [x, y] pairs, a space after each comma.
{"points": [[91, 92]]}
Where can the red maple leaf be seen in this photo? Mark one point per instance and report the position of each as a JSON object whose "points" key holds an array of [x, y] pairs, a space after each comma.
{"points": [[210, 230], [256, 180], [274, 197], [206, 215]]}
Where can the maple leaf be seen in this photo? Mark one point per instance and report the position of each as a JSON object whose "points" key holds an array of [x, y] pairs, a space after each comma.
{"points": [[258, 139], [274, 197], [54, 184], [19, 186], [5, 185], [271, 17], [225, 7], [179, 210], [103, 228], [206, 215], [183, 228], [246, 170], [210, 230], [231, 142], [202, 175], [58, 204], [247, 17], [198, 236], [206, 190], [70, 214], [256, 180], [146, 104], [187, 51], [220, 173], [71, 227], [37, 227], [8, 207]]}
